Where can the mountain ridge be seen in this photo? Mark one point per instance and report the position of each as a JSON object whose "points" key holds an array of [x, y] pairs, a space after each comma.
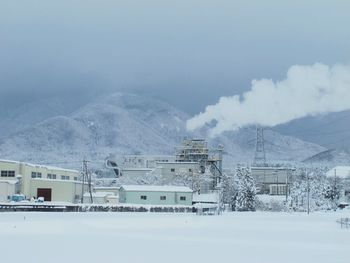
{"points": [[123, 123]]}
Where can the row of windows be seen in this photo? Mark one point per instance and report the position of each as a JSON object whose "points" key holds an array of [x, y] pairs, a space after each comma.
{"points": [[278, 189], [36, 175], [162, 197], [53, 176], [173, 170], [8, 173]]}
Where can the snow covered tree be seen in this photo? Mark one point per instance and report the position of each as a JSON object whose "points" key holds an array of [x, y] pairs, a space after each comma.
{"points": [[227, 184], [332, 191], [310, 190], [245, 197]]}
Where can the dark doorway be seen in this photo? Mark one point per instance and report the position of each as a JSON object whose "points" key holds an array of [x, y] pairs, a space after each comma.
{"points": [[44, 192]]}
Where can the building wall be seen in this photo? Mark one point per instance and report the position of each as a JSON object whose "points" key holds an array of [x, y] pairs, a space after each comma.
{"points": [[6, 189], [169, 170], [153, 198], [112, 190], [267, 178], [132, 173], [62, 190], [143, 161]]}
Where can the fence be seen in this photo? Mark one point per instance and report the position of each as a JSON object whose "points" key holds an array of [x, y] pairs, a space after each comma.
{"points": [[344, 222]]}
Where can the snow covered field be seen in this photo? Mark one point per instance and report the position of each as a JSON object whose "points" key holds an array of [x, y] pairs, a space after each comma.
{"points": [[150, 237]]}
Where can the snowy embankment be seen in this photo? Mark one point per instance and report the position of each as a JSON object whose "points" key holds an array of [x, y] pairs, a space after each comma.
{"points": [[147, 237]]}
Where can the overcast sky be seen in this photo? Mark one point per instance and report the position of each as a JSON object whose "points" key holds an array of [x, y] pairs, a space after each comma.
{"points": [[190, 52]]}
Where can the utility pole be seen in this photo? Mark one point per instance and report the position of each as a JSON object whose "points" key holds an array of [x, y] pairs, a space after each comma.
{"points": [[308, 194], [87, 176], [335, 189]]}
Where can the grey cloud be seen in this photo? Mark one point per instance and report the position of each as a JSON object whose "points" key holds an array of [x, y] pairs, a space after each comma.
{"points": [[211, 48]]}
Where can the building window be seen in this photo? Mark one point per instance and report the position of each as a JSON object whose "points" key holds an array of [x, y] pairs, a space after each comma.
{"points": [[190, 170], [143, 197], [65, 177], [182, 198], [75, 178], [36, 175], [163, 197], [8, 173], [278, 189], [51, 176], [172, 170]]}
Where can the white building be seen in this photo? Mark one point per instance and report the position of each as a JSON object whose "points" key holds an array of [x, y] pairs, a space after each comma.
{"points": [[143, 161], [33, 180], [155, 195]]}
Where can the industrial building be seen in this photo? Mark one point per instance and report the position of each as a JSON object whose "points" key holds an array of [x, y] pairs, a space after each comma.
{"points": [[341, 175], [272, 180], [33, 181], [143, 161], [155, 195], [192, 160]]}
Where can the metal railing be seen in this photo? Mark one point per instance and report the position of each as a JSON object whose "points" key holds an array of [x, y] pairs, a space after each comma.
{"points": [[344, 222]]}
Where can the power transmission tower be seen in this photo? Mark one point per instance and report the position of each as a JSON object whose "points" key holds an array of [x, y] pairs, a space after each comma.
{"points": [[87, 177], [259, 157]]}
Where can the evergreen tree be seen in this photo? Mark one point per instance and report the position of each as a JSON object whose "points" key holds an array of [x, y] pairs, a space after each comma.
{"points": [[245, 199], [227, 184]]}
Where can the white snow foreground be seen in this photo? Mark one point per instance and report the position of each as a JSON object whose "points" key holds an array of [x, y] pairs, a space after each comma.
{"points": [[145, 237]]}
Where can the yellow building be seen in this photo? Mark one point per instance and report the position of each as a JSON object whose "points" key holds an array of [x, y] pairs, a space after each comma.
{"points": [[32, 180]]}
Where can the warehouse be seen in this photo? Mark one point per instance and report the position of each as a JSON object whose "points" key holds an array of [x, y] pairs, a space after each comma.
{"points": [[272, 180], [33, 181], [155, 195]]}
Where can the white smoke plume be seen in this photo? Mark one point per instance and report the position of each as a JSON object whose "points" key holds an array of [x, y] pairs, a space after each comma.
{"points": [[307, 90]]}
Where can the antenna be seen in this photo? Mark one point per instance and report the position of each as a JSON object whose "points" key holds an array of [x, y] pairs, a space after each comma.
{"points": [[259, 157]]}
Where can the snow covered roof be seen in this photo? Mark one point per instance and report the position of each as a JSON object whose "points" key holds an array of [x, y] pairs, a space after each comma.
{"points": [[270, 168], [156, 188], [98, 194], [270, 198], [136, 169], [39, 166], [205, 198], [177, 163], [106, 187], [9, 181], [339, 171]]}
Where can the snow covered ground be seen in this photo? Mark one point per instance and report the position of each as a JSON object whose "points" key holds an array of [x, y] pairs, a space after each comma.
{"points": [[151, 237]]}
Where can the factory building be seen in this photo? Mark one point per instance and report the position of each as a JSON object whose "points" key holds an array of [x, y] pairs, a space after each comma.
{"points": [[143, 161], [155, 195], [272, 180], [33, 181]]}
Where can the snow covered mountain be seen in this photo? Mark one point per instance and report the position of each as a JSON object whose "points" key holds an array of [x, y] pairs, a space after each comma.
{"points": [[330, 130], [124, 123], [329, 158]]}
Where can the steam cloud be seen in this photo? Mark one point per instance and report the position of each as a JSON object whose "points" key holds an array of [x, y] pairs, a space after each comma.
{"points": [[307, 91]]}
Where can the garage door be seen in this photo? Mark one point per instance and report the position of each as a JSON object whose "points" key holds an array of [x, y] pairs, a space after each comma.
{"points": [[44, 192]]}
